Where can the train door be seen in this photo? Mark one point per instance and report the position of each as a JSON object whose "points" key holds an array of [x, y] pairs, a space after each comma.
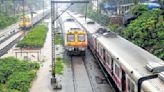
{"points": [[112, 65], [123, 80], [103, 55], [96, 47], [130, 84], [94, 44]]}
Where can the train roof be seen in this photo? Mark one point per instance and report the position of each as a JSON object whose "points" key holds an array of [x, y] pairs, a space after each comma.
{"points": [[35, 13], [131, 57], [69, 25]]}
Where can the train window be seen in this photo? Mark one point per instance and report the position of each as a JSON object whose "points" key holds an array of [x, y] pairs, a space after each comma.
{"points": [[101, 51], [70, 20], [117, 70], [130, 85], [97, 47], [81, 38], [74, 28], [108, 59], [70, 38], [128, 82], [25, 19]]}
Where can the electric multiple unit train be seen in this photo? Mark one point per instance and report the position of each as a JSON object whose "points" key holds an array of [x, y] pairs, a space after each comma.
{"points": [[28, 21], [130, 67], [75, 40]]}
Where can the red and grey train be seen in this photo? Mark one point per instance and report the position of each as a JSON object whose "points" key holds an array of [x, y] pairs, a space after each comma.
{"points": [[131, 68]]}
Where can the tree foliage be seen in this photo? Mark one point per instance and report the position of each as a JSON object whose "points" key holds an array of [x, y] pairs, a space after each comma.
{"points": [[59, 67], [16, 75], [138, 9], [6, 21], [147, 31], [58, 39], [94, 15], [98, 17]]}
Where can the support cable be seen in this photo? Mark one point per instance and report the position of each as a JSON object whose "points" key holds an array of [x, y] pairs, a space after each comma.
{"points": [[86, 12], [63, 11]]}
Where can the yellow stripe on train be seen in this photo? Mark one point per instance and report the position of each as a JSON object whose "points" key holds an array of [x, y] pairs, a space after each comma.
{"points": [[76, 44], [76, 32]]}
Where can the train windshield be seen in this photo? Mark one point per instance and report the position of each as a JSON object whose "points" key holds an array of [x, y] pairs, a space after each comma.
{"points": [[70, 20], [70, 38], [25, 19], [81, 38]]}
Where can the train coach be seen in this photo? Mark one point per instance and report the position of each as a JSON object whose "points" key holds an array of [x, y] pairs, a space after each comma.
{"points": [[75, 38], [28, 21], [131, 68]]}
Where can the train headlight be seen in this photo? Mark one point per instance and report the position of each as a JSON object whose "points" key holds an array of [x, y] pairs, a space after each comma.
{"points": [[82, 48], [70, 48]]}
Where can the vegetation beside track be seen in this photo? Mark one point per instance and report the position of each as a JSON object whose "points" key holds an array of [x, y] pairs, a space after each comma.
{"points": [[35, 38], [59, 67], [16, 75], [7, 21], [98, 17], [145, 31], [58, 39]]}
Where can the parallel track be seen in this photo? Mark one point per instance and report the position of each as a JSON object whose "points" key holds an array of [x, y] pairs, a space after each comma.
{"points": [[89, 76], [105, 73], [14, 41], [1, 41], [81, 76], [10, 45]]}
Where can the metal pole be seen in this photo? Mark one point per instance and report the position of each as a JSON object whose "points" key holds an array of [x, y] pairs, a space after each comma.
{"points": [[97, 5], [14, 7], [23, 11], [23, 15], [43, 9], [86, 12], [52, 39]]}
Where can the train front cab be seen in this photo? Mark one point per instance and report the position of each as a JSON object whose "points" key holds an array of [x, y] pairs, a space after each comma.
{"points": [[75, 43], [24, 23]]}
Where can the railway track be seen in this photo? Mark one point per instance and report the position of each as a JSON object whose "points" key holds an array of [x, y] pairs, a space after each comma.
{"points": [[81, 76], [107, 77], [1, 41], [8, 32], [10, 42]]}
